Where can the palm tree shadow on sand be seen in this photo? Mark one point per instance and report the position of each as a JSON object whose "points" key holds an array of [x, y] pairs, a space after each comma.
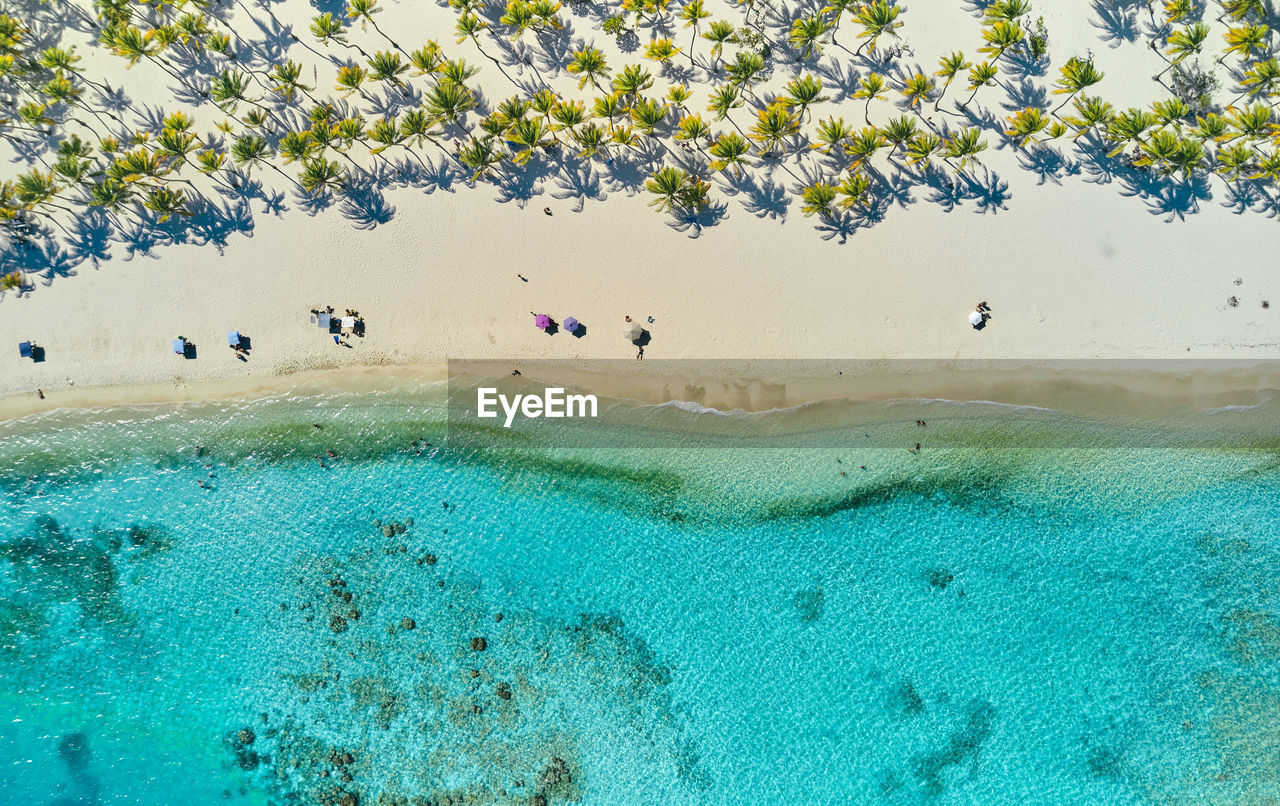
{"points": [[1171, 200], [763, 199], [693, 222]]}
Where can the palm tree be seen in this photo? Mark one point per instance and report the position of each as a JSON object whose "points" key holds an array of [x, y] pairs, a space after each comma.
{"points": [[921, 149], [1235, 160], [899, 131], [286, 77], [327, 28], [428, 59], [1185, 42], [1243, 9], [746, 66], [589, 65], [864, 145], [250, 150], [1077, 75], [1007, 10], [668, 184], [228, 89], [386, 66], [1159, 151], [174, 145], [877, 18], [166, 203], [321, 175], [449, 101], [592, 140], [964, 147], [693, 13], [469, 27], [806, 35], [547, 14], [386, 133], [661, 50], [457, 71], [917, 89], [1171, 111], [774, 123], [364, 10], [717, 34], [1268, 167], [817, 199], [1245, 40], [871, 87], [980, 75], [803, 92], [1253, 122], [351, 78], [838, 8], [730, 151], [693, 128], [1128, 126], [1262, 78], [948, 68], [1212, 127], [855, 190], [293, 147], [1026, 123], [647, 115], [528, 135], [1091, 113], [609, 106], [722, 100], [633, 80], [1002, 35], [677, 95], [831, 134], [568, 114], [519, 17]]}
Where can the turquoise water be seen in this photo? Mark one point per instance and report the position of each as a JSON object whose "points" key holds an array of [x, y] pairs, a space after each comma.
{"points": [[846, 624]]}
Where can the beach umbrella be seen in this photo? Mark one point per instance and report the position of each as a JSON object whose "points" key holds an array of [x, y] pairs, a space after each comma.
{"points": [[543, 321], [25, 350], [975, 318], [180, 346], [570, 324], [233, 338], [633, 332]]}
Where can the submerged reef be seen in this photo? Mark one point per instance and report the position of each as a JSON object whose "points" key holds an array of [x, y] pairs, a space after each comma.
{"points": [[48, 565], [427, 695]]}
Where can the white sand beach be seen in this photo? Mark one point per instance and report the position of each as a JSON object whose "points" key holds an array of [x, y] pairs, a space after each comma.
{"points": [[1071, 267]]}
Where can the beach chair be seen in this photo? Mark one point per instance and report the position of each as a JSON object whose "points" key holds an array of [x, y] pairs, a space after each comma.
{"points": [[26, 349]]}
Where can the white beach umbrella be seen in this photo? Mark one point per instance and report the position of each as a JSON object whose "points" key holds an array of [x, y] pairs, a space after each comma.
{"points": [[633, 331], [975, 318]]}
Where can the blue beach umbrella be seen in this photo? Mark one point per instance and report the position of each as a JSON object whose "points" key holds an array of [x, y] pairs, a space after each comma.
{"points": [[233, 338], [180, 346], [570, 324], [24, 349]]}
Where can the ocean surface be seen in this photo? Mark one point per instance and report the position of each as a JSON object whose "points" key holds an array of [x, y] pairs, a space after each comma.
{"points": [[200, 605]]}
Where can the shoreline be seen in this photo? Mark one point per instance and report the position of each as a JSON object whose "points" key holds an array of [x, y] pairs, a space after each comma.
{"points": [[750, 386]]}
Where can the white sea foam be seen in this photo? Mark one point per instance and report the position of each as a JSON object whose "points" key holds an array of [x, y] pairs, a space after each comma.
{"points": [[1235, 408]]}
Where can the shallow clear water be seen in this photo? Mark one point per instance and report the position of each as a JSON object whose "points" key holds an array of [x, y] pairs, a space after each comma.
{"points": [[846, 624]]}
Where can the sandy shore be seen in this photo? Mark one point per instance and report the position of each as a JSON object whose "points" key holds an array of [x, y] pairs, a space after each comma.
{"points": [[1071, 271]]}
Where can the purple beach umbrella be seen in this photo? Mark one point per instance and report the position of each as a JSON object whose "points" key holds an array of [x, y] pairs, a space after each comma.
{"points": [[543, 321], [570, 324]]}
